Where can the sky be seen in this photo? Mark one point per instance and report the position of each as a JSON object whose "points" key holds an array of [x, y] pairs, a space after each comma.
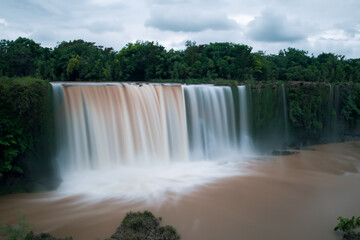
{"points": [[315, 26]]}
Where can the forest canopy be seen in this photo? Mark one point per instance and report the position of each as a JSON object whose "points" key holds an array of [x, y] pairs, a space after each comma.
{"points": [[147, 61]]}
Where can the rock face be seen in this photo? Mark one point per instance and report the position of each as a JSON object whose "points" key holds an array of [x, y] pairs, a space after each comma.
{"points": [[137, 225]]}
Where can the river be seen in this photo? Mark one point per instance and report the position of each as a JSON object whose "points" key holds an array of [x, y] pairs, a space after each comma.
{"points": [[296, 196]]}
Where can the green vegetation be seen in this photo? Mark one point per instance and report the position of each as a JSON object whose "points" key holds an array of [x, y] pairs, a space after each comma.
{"points": [[23, 231], [312, 113], [25, 99], [349, 227], [135, 226], [306, 111], [25, 124], [17, 231], [149, 61]]}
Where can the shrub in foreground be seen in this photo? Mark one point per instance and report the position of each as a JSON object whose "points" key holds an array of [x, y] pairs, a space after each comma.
{"points": [[349, 227]]}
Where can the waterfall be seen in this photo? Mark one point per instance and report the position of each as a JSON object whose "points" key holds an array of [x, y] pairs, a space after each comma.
{"points": [[336, 111], [245, 140], [285, 113], [140, 141], [211, 120], [107, 125], [331, 112], [102, 125]]}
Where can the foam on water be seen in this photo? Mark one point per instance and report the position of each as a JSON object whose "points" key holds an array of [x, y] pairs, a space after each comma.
{"points": [[147, 183]]}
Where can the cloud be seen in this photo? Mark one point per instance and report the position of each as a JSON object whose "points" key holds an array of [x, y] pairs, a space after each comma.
{"points": [[104, 27], [351, 29], [3, 22], [44, 36], [166, 2], [303, 24], [189, 21], [105, 3], [272, 27]]}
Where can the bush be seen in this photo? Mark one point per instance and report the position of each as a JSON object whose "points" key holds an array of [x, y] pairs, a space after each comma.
{"points": [[348, 227], [143, 226]]}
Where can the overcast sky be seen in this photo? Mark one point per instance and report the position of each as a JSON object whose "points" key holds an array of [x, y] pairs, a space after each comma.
{"points": [[270, 25]]}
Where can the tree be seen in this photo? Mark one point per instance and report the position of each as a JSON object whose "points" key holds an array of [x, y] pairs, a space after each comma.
{"points": [[142, 61], [72, 68], [19, 57]]}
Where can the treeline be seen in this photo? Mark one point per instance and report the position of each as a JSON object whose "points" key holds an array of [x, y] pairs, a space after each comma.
{"points": [[146, 61]]}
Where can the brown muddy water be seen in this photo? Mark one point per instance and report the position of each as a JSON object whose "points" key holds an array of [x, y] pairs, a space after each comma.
{"points": [[285, 197]]}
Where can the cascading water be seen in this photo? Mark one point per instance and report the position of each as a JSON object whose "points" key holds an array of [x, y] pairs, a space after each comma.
{"points": [[113, 134], [285, 113], [108, 125], [337, 110], [245, 140], [211, 120], [330, 112]]}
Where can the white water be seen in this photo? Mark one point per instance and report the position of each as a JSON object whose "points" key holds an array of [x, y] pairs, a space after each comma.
{"points": [[245, 140], [129, 141], [211, 121]]}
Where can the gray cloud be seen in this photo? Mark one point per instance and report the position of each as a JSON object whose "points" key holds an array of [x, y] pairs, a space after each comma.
{"points": [[189, 21], [44, 36], [271, 27], [349, 28], [303, 24], [104, 27], [166, 2]]}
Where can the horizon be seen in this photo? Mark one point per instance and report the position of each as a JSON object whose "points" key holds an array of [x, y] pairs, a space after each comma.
{"points": [[265, 26], [310, 54]]}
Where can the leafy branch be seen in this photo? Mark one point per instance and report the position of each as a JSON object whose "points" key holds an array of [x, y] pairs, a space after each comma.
{"points": [[349, 226]]}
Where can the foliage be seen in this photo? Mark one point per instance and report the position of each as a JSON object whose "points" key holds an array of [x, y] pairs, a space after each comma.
{"points": [[43, 236], [18, 231], [137, 225], [351, 103], [306, 111], [23, 231], [144, 61], [349, 226], [230, 83], [24, 111]]}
